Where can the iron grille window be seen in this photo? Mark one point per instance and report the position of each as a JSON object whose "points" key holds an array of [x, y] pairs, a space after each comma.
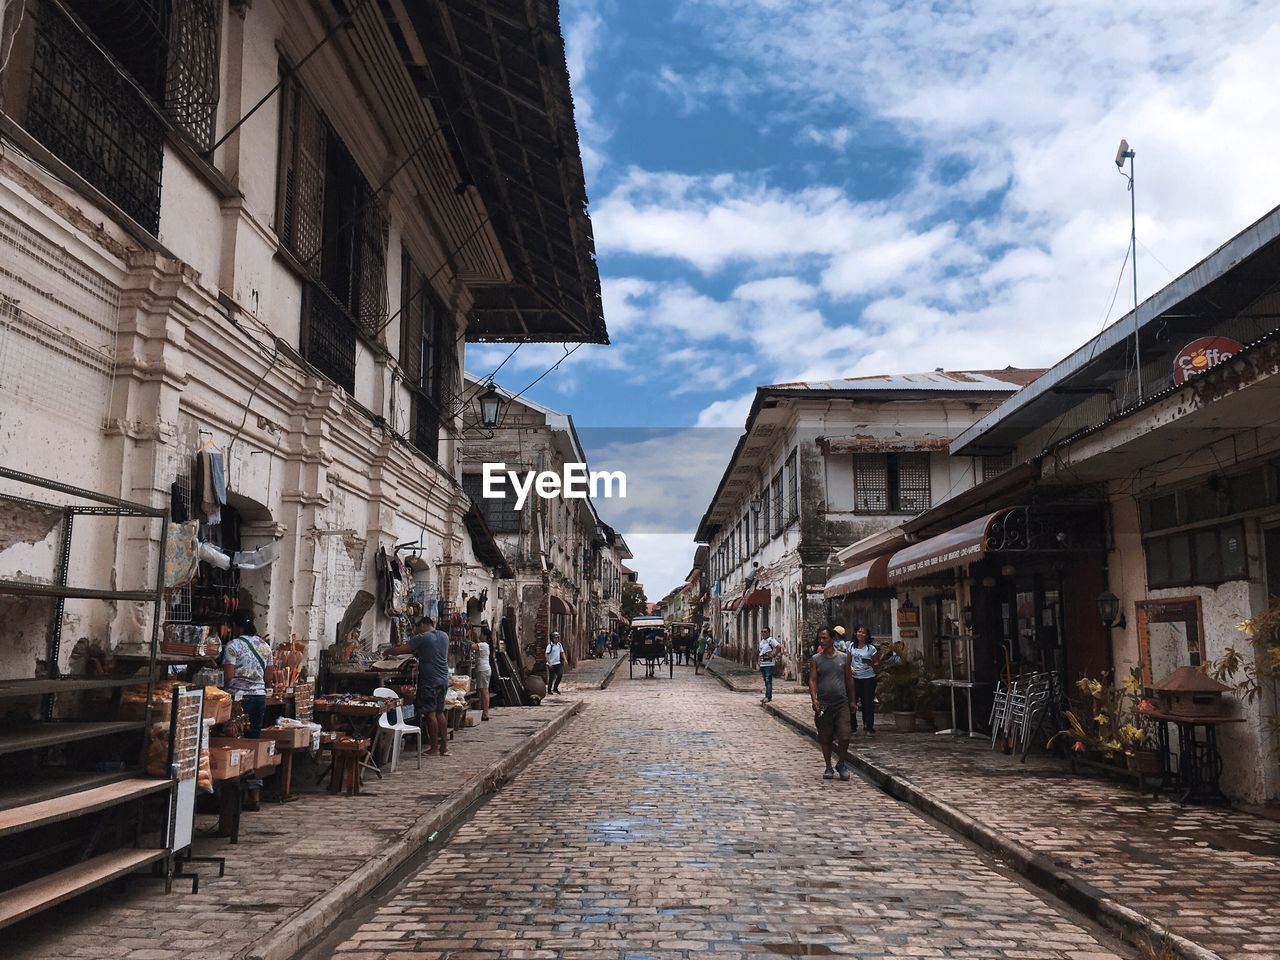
{"points": [[891, 482], [777, 503], [191, 75], [793, 487], [993, 466], [89, 114], [328, 337]]}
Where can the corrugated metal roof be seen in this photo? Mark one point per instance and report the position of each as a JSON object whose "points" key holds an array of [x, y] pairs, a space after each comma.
{"points": [[1009, 379]]}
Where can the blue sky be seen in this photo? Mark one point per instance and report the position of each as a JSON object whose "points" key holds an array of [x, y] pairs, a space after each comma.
{"points": [[801, 189]]}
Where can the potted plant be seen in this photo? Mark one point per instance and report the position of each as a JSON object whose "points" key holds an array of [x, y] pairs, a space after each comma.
{"points": [[899, 685], [1107, 722]]}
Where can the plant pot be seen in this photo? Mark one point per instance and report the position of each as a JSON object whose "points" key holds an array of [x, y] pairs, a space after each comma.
{"points": [[1146, 762], [905, 720]]}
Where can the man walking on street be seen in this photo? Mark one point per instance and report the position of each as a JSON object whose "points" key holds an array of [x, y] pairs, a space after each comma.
{"points": [[555, 663], [831, 690], [769, 651]]}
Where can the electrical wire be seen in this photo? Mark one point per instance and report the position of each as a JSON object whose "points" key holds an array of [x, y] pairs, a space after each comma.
{"points": [[4, 15]]}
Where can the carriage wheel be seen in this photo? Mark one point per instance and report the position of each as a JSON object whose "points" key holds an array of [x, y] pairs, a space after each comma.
{"points": [[631, 668], [671, 668]]}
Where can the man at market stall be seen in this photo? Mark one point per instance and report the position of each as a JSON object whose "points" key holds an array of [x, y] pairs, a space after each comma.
{"points": [[431, 647]]}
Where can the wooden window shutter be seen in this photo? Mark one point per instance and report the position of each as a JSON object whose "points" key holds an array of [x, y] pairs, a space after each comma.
{"points": [[913, 482], [371, 264], [303, 137], [870, 483]]}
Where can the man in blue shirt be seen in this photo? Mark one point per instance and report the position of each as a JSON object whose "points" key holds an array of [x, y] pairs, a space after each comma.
{"points": [[431, 647]]}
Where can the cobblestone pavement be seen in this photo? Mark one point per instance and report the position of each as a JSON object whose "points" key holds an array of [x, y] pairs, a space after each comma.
{"points": [[288, 855], [1210, 875], [676, 819], [589, 674]]}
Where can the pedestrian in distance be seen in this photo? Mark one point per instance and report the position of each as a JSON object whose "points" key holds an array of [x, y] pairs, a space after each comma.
{"points": [[555, 663], [482, 644], [831, 691], [431, 647], [770, 649], [866, 658], [841, 643], [613, 644], [700, 650]]}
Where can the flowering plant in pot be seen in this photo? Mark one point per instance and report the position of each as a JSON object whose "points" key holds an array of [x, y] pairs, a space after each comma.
{"points": [[1253, 671], [1106, 720]]}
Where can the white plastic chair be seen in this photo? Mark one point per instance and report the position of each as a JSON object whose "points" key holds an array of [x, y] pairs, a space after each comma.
{"points": [[397, 730]]}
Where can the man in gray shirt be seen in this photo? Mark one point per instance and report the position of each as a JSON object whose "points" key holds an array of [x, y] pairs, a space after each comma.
{"points": [[431, 647], [831, 690]]}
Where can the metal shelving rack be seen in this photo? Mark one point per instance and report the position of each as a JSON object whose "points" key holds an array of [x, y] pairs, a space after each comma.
{"points": [[51, 799]]}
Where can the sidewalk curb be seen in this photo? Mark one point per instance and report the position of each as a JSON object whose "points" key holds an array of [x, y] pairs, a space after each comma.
{"points": [[1061, 882], [608, 677], [310, 923], [722, 678]]}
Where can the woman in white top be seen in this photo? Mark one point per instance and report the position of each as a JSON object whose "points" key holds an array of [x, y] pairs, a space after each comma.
{"points": [[484, 671], [865, 659]]}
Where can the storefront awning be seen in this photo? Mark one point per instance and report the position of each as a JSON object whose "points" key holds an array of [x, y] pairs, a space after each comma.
{"points": [[733, 604], [559, 605], [756, 598], [869, 575], [955, 548]]}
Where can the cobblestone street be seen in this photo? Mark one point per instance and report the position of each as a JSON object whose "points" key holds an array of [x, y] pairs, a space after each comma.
{"points": [[674, 818]]}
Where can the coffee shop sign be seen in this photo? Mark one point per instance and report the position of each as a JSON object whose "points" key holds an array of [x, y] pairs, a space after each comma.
{"points": [[1200, 356]]}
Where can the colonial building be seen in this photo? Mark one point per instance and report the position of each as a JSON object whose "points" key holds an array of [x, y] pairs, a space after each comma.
{"points": [[1183, 462], [819, 466], [568, 563], [265, 232]]}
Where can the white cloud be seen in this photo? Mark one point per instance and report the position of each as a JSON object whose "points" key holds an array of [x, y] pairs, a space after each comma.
{"points": [[582, 36], [834, 138], [662, 559]]}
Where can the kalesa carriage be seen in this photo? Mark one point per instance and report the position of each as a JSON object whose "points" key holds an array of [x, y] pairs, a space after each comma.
{"points": [[649, 644]]}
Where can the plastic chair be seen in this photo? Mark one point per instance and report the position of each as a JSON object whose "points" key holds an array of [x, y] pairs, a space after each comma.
{"points": [[397, 729]]}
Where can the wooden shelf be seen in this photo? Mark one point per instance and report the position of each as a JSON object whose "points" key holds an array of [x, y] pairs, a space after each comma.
{"points": [[38, 686], [46, 786], [38, 735], [41, 894], [31, 815], [21, 588]]}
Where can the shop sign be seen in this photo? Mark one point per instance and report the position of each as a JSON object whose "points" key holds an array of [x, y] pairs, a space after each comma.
{"points": [[908, 617], [1202, 355]]}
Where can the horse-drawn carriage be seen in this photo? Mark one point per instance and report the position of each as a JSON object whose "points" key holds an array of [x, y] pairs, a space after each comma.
{"points": [[649, 645]]}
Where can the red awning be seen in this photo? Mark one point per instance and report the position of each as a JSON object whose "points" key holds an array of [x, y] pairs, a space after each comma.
{"points": [[560, 605], [733, 604], [869, 575], [756, 598], [955, 548]]}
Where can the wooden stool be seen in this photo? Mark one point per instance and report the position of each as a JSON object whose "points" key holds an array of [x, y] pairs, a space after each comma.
{"points": [[344, 774]]}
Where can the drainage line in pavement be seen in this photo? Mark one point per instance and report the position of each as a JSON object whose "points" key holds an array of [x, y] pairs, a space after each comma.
{"points": [[1062, 883]]}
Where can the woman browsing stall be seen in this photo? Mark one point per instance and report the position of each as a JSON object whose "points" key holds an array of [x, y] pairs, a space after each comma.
{"points": [[244, 669]]}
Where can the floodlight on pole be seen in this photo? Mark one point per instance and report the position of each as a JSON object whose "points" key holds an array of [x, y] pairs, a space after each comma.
{"points": [[1125, 152]]}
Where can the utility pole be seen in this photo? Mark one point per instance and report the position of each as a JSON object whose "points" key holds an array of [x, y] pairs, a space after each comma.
{"points": [[1123, 154]]}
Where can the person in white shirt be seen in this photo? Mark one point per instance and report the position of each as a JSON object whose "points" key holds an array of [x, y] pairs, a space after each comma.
{"points": [[770, 652], [555, 663], [481, 641], [866, 658]]}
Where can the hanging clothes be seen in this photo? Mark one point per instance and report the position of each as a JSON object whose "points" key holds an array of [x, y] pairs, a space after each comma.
{"points": [[181, 562]]}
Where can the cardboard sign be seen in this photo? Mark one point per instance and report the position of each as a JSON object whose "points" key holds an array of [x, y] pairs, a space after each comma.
{"points": [[1202, 355]]}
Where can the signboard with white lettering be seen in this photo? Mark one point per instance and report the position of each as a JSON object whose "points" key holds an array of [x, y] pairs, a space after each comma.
{"points": [[1201, 355]]}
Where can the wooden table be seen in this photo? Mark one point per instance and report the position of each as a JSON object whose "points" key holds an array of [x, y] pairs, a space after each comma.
{"points": [[362, 721]]}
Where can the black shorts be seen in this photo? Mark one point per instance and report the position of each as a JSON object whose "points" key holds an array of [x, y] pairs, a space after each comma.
{"points": [[431, 698]]}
